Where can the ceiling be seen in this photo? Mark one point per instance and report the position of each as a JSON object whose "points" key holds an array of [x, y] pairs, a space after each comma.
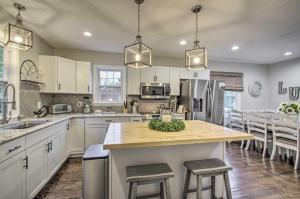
{"points": [[264, 30]]}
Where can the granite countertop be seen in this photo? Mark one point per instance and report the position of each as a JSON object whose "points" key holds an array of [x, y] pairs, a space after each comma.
{"points": [[7, 135], [138, 135]]}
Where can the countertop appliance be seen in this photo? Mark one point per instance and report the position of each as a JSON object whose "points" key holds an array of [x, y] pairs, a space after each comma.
{"points": [[203, 99], [155, 90], [59, 108], [87, 105], [41, 112]]}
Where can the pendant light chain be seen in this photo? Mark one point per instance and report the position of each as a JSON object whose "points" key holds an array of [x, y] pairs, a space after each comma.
{"points": [[139, 19], [197, 37]]}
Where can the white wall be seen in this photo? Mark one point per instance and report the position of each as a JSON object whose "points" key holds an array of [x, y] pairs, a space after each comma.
{"points": [[289, 73], [252, 72]]}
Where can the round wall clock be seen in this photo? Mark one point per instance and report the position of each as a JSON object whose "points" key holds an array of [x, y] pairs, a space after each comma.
{"points": [[255, 89]]}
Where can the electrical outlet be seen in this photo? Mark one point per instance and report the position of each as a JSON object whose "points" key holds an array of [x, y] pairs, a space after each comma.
{"points": [[79, 104]]}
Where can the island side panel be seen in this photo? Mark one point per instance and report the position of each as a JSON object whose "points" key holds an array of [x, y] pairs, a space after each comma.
{"points": [[173, 155]]}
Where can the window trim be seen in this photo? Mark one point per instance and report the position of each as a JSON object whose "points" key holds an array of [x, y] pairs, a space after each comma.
{"points": [[96, 68]]}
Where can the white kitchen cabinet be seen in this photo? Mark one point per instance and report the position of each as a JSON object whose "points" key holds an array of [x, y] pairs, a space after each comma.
{"points": [[54, 153], [83, 78], [66, 75], [75, 136], [12, 177], [37, 173], [194, 74], [95, 134], [162, 74], [175, 81], [148, 75], [133, 81], [48, 71]]}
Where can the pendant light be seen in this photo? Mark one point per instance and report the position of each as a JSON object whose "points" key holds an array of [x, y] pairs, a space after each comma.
{"points": [[196, 59], [138, 55], [15, 35]]}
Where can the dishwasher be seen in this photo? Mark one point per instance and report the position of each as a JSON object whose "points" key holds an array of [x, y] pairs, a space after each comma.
{"points": [[95, 172]]}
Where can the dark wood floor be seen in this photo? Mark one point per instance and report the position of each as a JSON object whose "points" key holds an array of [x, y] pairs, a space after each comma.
{"points": [[252, 178]]}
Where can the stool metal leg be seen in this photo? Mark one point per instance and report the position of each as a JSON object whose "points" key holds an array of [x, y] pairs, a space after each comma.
{"points": [[167, 189], [130, 190], [213, 189], [162, 190], [186, 184], [227, 186], [134, 190], [199, 187]]}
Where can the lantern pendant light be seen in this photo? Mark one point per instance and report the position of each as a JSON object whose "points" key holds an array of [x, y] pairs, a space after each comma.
{"points": [[15, 35], [138, 55], [196, 59]]}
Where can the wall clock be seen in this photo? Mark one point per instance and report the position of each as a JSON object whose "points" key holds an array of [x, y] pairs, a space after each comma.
{"points": [[255, 89]]}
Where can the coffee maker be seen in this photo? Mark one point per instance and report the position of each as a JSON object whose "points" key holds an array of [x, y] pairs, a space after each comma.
{"points": [[87, 108]]}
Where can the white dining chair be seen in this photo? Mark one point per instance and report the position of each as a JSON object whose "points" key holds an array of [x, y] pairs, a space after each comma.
{"points": [[237, 122], [258, 125], [286, 135]]}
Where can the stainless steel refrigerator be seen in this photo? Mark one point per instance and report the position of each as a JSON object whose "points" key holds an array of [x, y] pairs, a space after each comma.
{"points": [[204, 100]]}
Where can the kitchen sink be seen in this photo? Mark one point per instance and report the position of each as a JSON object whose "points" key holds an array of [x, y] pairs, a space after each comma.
{"points": [[24, 124]]}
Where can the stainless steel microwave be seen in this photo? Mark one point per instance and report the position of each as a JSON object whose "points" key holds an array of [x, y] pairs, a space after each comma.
{"points": [[155, 91]]}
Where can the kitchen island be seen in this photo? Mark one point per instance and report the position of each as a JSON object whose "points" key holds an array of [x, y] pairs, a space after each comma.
{"points": [[135, 143]]}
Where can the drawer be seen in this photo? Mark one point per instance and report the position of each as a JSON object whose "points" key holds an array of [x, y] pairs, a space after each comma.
{"points": [[37, 136], [105, 120], [136, 119], [11, 148]]}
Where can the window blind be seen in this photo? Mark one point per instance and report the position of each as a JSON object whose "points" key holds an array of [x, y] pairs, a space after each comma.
{"points": [[233, 81]]}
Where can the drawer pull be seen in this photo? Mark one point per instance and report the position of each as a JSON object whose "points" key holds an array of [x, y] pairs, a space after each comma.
{"points": [[136, 120], [107, 120], [16, 147]]}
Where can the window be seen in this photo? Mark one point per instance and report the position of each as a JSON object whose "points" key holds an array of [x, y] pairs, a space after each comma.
{"points": [[109, 84], [231, 102]]}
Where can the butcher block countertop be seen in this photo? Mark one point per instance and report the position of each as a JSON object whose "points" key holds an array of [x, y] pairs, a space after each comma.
{"points": [[138, 135]]}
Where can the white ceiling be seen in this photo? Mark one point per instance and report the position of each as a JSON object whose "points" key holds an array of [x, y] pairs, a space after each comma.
{"points": [[264, 29]]}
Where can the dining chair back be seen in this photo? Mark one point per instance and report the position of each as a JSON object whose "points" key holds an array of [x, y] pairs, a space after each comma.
{"points": [[237, 122], [286, 134]]}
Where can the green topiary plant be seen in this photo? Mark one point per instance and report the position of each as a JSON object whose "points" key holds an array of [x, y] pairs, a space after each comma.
{"points": [[173, 126]]}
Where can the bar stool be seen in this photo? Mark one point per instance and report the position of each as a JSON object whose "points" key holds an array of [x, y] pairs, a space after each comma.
{"points": [[149, 174], [206, 168]]}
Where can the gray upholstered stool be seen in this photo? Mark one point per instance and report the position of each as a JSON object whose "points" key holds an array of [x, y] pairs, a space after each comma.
{"points": [[206, 168], [149, 174]]}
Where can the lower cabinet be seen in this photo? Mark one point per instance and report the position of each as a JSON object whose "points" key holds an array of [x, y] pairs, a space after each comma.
{"points": [[12, 177], [75, 137], [54, 149], [37, 173], [95, 134]]}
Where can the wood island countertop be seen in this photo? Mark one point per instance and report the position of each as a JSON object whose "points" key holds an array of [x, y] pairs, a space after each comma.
{"points": [[138, 135]]}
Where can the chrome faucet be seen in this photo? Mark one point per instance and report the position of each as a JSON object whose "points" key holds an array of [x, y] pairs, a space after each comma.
{"points": [[5, 120]]}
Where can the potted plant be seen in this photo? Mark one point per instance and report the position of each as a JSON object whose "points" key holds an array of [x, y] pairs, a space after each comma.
{"points": [[290, 108]]}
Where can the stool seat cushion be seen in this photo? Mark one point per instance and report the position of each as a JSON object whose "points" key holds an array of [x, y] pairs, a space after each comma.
{"points": [[148, 172], [206, 166]]}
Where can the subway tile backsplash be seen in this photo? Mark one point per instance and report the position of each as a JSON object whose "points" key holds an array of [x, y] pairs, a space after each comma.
{"points": [[30, 96]]}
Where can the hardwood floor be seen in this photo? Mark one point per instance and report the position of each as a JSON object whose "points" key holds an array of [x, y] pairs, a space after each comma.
{"points": [[252, 178]]}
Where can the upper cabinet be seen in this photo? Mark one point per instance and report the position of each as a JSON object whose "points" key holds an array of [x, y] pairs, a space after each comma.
{"points": [[201, 74], [155, 74], [133, 81], [61, 75], [66, 75], [83, 77]]}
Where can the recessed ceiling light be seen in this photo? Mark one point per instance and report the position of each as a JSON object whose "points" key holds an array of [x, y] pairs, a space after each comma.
{"points": [[182, 42], [88, 34], [287, 53], [235, 47]]}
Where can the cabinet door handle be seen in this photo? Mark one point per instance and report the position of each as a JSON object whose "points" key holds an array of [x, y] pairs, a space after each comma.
{"points": [[68, 126], [26, 162], [88, 88], [16, 147], [51, 146], [58, 86]]}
